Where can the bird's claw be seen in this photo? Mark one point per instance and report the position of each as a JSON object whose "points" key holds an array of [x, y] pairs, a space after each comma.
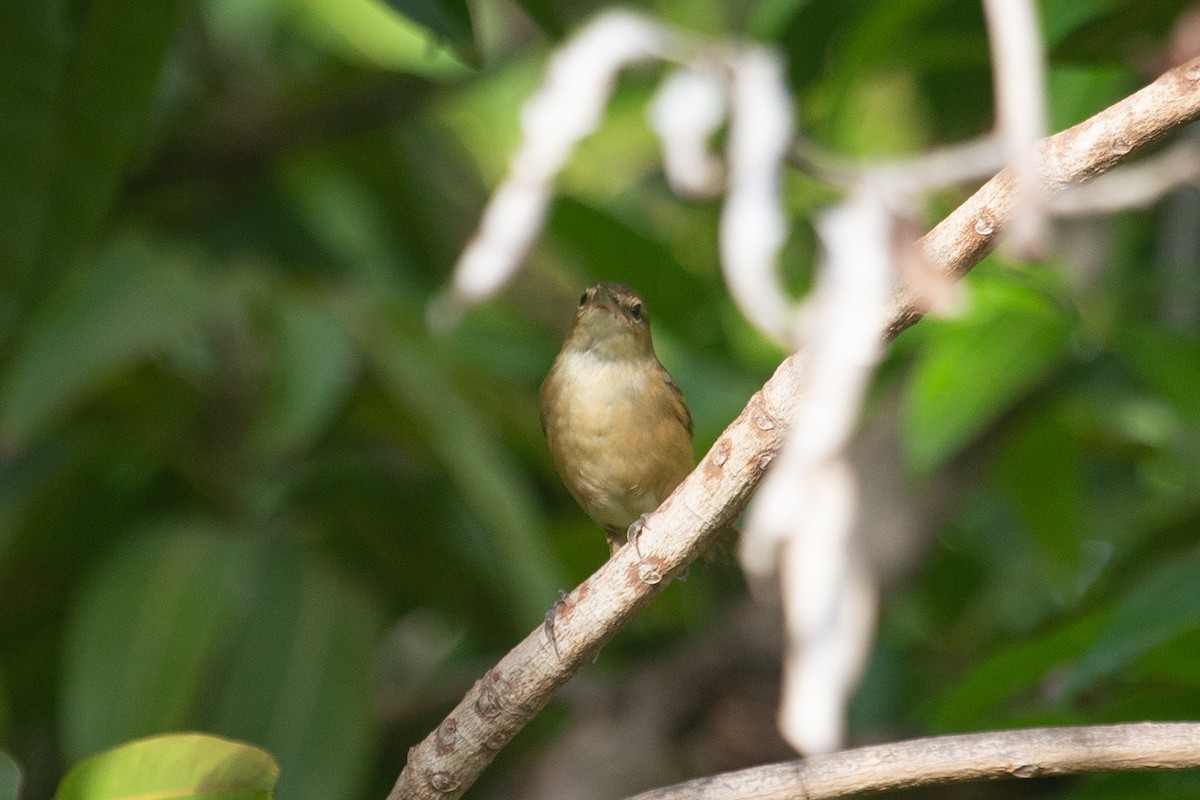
{"points": [[635, 533], [548, 623]]}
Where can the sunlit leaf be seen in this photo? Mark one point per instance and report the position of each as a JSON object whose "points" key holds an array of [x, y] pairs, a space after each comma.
{"points": [[369, 32], [128, 306], [973, 369], [144, 634], [449, 20], [299, 682], [180, 766]]}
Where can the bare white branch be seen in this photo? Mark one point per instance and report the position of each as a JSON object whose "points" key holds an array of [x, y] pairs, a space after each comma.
{"points": [[1019, 77], [808, 504], [753, 225], [567, 108], [686, 112]]}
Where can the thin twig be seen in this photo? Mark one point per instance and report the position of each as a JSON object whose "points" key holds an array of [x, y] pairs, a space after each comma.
{"points": [[452, 757], [911, 176], [1030, 753]]}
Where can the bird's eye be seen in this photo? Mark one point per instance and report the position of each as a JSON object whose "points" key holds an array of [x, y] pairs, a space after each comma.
{"points": [[582, 299], [635, 311]]}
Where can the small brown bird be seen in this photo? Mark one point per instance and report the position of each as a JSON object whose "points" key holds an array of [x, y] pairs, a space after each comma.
{"points": [[618, 427]]}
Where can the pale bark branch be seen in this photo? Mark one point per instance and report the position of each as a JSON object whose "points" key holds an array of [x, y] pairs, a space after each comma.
{"points": [[452, 757], [1030, 753], [1078, 154]]}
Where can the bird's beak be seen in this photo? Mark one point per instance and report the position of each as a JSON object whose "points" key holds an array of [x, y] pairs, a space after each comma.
{"points": [[604, 299]]}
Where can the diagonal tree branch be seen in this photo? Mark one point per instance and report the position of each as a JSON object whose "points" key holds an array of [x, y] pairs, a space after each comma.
{"points": [[452, 757], [1029, 753]]}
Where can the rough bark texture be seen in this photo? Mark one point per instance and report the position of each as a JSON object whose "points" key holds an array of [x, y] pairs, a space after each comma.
{"points": [[450, 759]]}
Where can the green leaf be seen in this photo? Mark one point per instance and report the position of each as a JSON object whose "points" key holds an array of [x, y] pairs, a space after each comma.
{"points": [[840, 41], [299, 681], [971, 370], [1168, 363], [517, 557], [130, 304], [1156, 611], [143, 635], [180, 766], [313, 368], [1077, 91], [840, 50], [10, 778], [369, 32], [1013, 671], [32, 56], [449, 20], [1060, 19], [109, 91], [1051, 504]]}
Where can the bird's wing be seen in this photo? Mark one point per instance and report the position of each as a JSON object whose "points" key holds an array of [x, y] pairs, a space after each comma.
{"points": [[680, 405]]}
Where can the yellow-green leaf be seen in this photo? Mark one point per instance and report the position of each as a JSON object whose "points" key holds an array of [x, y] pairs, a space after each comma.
{"points": [[177, 766]]}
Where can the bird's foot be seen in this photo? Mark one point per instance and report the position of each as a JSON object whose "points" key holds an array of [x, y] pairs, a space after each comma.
{"points": [[548, 623], [635, 533]]}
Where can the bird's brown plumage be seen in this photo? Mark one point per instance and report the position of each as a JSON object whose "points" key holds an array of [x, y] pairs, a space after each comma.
{"points": [[618, 428]]}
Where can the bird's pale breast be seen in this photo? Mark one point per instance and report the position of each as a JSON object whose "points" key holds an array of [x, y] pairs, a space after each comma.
{"points": [[616, 435]]}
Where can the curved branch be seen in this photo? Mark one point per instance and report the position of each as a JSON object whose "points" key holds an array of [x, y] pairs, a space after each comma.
{"points": [[1030, 753], [1074, 156], [450, 758]]}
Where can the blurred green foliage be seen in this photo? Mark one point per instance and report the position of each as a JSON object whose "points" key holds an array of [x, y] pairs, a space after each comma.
{"points": [[245, 489]]}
